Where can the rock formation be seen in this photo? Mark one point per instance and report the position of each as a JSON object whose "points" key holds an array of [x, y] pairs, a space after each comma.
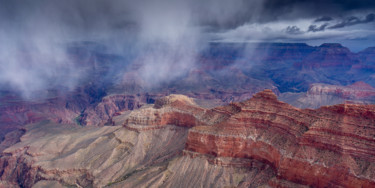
{"points": [[226, 72], [324, 94], [328, 147], [178, 143]]}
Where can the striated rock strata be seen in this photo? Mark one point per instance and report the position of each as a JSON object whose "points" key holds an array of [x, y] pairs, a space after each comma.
{"points": [[175, 142], [328, 147]]}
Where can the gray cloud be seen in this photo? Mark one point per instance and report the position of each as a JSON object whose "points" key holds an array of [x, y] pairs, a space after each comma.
{"points": [[323, 19], [165, 35], [315, 28], [35, 35], [293, 30], [353, 20], [297, 9]]}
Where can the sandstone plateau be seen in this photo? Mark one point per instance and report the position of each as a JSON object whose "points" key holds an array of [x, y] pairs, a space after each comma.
{"points": [[178, 142]]}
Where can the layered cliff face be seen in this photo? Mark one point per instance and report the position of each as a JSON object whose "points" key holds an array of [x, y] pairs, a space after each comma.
{"points": [[178, 143], [327, 147], [177, 110], [145, 151]]}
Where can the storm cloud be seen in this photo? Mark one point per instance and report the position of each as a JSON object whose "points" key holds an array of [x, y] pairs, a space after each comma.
{"points": [[315, 28], [353, 20], [165, 35], [323, 19]]}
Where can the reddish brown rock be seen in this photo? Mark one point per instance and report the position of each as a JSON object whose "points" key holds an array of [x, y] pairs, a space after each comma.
{"points": [[328, 147], [176, 143], [178, 110]]}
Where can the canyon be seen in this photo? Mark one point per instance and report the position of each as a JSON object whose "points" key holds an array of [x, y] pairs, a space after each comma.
{"points": [[245, 115], [260, 142], [223, 73], [187, 94]]}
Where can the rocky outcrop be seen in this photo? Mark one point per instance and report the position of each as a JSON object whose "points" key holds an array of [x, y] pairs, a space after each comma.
{"points": [[327, 147]]}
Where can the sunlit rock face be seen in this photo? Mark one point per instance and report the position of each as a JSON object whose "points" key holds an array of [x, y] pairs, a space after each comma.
{"points": [[178, 142]]}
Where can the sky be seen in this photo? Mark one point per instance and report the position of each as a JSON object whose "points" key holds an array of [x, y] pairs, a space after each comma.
{"points": [[34, 34], [348, 22], [222, 20]]}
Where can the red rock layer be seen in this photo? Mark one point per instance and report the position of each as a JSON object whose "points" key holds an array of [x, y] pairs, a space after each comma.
{"points": [[328, 147], [177, 110]]}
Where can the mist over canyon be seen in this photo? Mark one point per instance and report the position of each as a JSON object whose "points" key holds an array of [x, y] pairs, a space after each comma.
{"points": [[259, 93]]}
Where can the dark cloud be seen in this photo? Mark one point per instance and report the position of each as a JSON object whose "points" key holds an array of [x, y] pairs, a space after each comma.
{"points": [[353, 20], [219, 14], [223, 15], [293, 30], [292, 9], [323, 19], [43, 28], [324, 5], [315, 28], [35, 35]]}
